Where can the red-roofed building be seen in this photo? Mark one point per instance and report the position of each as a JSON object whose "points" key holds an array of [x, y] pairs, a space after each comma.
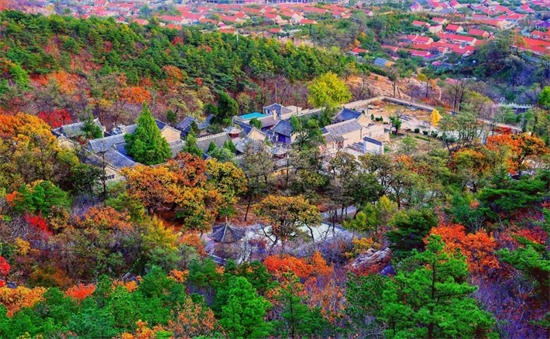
{"points": [[314, 10], [389, 47], [478, 33], [228, 18], [273, 17], [192, 17], [441, 21], [418, 39], [540, 50], [454, 28], [275, 30], [417, 23], [455, 4], [208, 21], [435, 29], [515, 17], [357, 51], [307, 22], [251, 11], [416, 7], [535, 42], [498, 23], [500, 9], [540, 35], [141, 22], [423, 54], [458, 38], [479, 16], [172, 26], [177, 20], [526, 8]]}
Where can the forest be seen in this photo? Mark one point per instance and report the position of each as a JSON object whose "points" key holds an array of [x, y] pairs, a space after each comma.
{"points": [[106, 69], [452, 242]]}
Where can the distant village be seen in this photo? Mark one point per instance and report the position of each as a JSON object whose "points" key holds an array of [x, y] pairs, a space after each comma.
{"points": [[449, 27]]}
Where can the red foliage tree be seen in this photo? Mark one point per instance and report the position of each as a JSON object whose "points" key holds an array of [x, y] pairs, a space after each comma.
{"points": [[80, 291], [38, 222], [4, 270], [57, 118]]}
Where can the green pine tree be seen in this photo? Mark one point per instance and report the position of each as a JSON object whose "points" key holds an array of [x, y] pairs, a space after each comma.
{"points": [[429, 297], [146, 145], [532, 260], [212, 147], [411, 226], [191, 145], [255, 123], [227, 109], [299, 321], [243, 315], [90, 129]]}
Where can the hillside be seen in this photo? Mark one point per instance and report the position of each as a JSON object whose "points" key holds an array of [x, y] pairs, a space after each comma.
{"points": [[98, 65]]}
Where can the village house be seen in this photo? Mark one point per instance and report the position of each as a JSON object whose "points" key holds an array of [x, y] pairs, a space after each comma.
{"points": [[417, 39], [454, 28], [435, 29], [478, 33]]}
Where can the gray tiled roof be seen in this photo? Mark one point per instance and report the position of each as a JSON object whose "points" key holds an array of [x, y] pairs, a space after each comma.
{"points": [[74, 130], [176, 146], [283, 127], [227, 233], [103, 144], [373, 141], [380, 62], [118, 160], [343, 127], [130, 129], [245, 142], [185, 124], [160, 124], [346, 114], [244, 126], [268, 121], [280, 109], [218, 139]]}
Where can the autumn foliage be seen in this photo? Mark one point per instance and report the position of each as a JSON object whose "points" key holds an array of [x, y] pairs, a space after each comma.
{"points": [[478, 247], [521, 147], [15, 299], [303, 268], [80, 291]]}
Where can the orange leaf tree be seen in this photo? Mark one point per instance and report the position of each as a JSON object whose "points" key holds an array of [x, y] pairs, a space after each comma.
{"points": [[478, 247], [521, 147]]}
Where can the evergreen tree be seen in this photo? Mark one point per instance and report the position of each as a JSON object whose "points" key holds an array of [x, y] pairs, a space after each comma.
{"points": [[230, 146], [255, 123], [191, 145], [227, 109], [39, 198], [299, 321], [411, 226], [243, 315], [532, 259], [171, 117], [427, 298], [90, 129], [212, 147], [146, 145]]}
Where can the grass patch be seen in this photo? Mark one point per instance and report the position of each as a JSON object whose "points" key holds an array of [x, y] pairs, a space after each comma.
{"points": [[422, 138]]}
